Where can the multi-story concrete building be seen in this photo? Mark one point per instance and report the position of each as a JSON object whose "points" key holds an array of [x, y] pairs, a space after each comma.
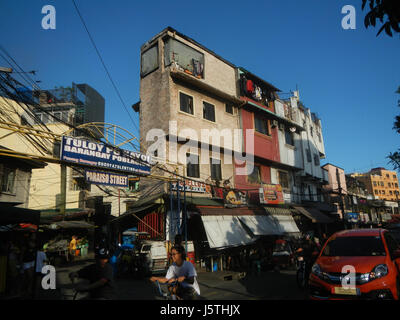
{"points": [[381, 183], [336, 189], [301, 147], [72, 107], [187, 92]]}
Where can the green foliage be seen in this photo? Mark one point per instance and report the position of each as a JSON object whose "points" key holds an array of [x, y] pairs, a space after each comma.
{"points": [[395, 156], [388, 13]]}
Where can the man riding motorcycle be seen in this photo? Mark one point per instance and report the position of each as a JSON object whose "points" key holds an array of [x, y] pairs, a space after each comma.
{"points": [[100, 276]]}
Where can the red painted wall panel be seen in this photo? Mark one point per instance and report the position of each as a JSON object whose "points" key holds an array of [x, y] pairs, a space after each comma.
{"points": [[152, 221], [266, 147]]}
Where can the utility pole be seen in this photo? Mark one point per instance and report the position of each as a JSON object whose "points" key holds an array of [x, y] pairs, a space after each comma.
{"points": [[63, 191], [340, 196], [185, 213]]}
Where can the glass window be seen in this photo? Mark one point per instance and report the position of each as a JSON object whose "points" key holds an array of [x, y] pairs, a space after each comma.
{"points": [[284, 179], [208, 111], [261, 125], [65, 116], [38, 118], [289, 138], [355, 247], [308, 152], [192, 168], [149, 61], [8, 180], [45, 118], [229, 108], [255, 176], [216, 173], [186, 103], [57, 116], [316, 160]]}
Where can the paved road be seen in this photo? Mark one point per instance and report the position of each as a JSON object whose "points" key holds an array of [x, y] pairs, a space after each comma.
{"points": [[213, 286]]}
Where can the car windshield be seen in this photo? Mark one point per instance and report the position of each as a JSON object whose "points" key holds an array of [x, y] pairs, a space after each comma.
{"points": [[355, 246]]}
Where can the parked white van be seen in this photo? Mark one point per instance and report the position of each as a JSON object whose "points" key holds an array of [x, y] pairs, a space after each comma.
{"points": [[155, 257]]}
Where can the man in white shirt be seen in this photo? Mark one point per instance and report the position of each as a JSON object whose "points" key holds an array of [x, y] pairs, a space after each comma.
{"points": [[182, 272]]}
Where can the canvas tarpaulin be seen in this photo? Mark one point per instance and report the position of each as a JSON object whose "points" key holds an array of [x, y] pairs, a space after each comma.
{"points": [[262, 225], [225, 231]]}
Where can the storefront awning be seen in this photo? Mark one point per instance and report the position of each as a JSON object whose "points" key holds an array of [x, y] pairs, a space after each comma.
{"points": [[314, 214], [283, 219], [262, 225], [286, 224], [16, 215], [225, 231]]}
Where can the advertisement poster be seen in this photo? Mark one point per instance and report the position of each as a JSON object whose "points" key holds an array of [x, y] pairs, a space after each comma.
{"points": [[271, 194], [235, 198]]}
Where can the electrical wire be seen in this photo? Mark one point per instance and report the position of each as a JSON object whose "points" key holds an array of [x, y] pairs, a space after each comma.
{"points": [[104, 65]]}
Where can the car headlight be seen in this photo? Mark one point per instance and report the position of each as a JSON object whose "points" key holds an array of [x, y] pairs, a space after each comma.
{"points": [[316, 269], [379, 271]]}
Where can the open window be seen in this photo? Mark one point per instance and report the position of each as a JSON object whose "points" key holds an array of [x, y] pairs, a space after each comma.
{"points": [[261, 125], [184, 57]]}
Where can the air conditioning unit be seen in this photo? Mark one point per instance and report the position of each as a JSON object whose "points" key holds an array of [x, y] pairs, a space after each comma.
{"points": [[274, 123]]}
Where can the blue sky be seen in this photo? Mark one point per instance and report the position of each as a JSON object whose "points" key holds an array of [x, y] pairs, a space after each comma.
{"points": [[348, 77]]}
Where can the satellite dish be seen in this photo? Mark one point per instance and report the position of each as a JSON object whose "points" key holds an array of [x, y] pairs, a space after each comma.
{"points": [[292, 129]]}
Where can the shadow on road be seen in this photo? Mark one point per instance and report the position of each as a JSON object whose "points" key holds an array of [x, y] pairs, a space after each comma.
{"points": [[273, 285]]}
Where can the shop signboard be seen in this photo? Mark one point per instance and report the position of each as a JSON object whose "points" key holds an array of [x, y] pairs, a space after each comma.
{"points": [[106, 178], [271, 194], [235, 198], [98, 155], [191, 186]]}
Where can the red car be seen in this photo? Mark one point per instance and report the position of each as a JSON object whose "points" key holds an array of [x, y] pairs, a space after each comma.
{"points": [[357, 264]]}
